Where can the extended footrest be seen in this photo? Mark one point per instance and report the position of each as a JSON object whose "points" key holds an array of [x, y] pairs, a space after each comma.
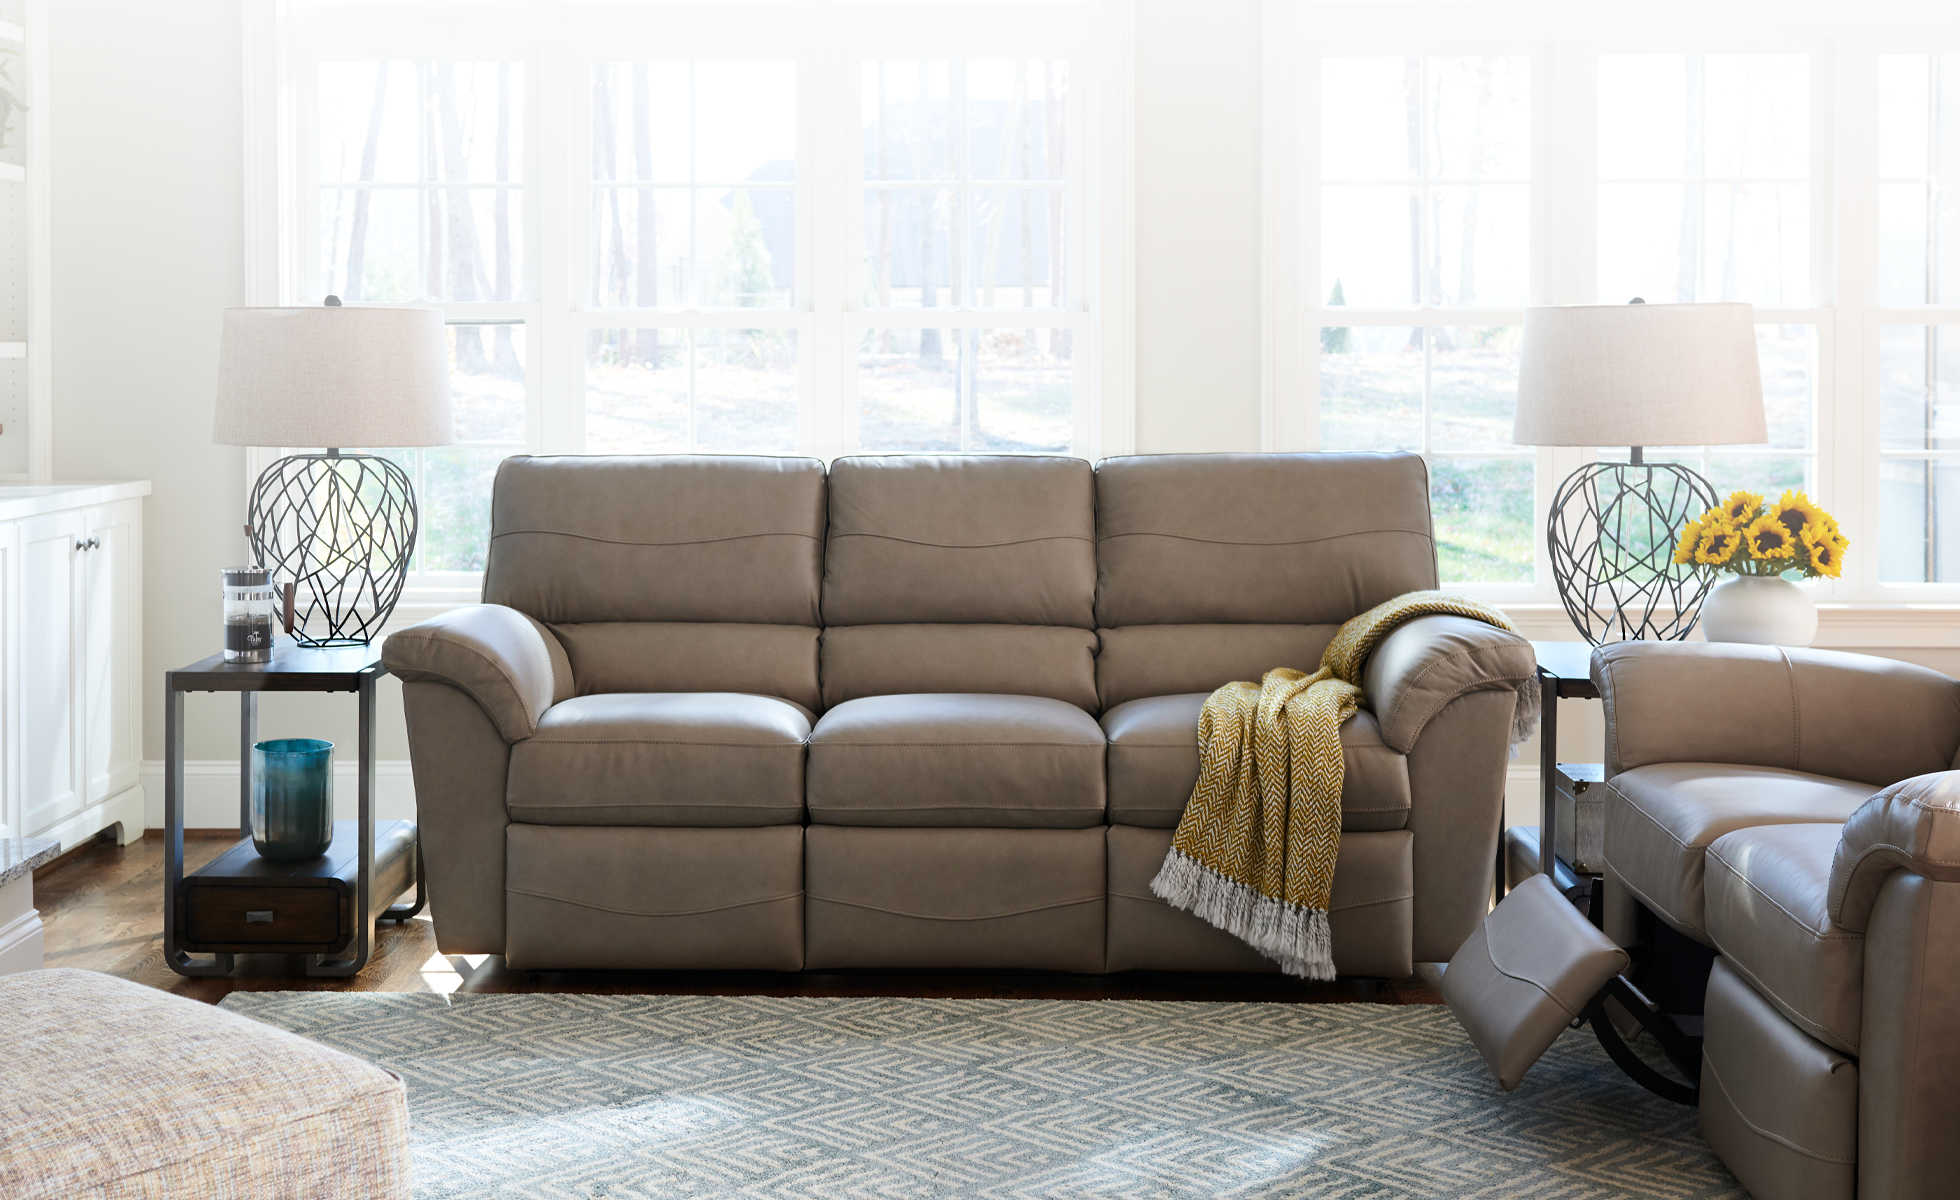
{"points": [[1531, 969]]}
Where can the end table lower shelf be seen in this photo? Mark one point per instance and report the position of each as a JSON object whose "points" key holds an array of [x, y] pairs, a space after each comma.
{"points": [[240, 903]]}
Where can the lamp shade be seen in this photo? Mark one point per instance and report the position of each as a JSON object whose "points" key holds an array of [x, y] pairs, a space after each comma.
{"points": [[1639, 375], [332, 376]]}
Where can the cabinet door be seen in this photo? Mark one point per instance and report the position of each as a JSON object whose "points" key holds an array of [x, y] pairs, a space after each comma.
{"points": [[50, 669], [10, 769], [112, 648]]}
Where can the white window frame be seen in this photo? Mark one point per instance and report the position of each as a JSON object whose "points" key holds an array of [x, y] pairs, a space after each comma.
{"points": [[560, 40], [1564, 43]]}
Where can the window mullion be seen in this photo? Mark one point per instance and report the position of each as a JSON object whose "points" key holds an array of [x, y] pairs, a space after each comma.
{"points": [[1847, 442], [559, 102]]}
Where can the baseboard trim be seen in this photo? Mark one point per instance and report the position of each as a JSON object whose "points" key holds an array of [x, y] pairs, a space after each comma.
{"points": [[211, 792]]}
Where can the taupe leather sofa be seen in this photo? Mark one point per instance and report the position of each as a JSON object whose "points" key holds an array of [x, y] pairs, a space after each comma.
{"points": [[1740, 812], [730, 712]]}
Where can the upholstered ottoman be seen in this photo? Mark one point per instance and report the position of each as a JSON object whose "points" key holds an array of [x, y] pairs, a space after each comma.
{"points": [[112, 1089]]}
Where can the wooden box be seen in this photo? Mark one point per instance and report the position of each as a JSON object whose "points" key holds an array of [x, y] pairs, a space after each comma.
{"points": [[241, 903]]}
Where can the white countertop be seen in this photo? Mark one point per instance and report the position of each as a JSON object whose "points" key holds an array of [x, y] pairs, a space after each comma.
{"points": [[32, 499]]}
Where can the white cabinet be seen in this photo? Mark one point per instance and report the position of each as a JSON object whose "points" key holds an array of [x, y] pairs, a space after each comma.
{"points": [[71, 647]]}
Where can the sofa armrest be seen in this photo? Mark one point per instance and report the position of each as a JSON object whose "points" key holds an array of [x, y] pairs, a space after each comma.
{"points": [[1850, 716], [509, 664], [1424, 664], [1914, 825]]}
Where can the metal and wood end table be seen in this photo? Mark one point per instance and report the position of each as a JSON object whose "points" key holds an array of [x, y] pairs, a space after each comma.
{"points": [[324, 910], [1564, 673]]}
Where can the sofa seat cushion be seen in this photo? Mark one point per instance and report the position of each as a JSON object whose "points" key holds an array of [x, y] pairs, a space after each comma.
{"points": [[1153, 765], [957, 759], [1768, 907], [1661, 818], [662, 758]]}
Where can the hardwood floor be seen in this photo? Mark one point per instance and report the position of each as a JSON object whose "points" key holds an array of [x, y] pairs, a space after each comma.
{"points": [[102, 908]]}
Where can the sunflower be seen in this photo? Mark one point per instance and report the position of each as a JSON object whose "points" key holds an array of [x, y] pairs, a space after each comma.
{"points": [[1684, 549], [1742, 507], [1767, 538], [1826, 556], [1718, 544], [1797, 513]]}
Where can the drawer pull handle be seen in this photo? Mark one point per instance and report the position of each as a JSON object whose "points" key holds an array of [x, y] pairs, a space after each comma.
{"points": [[258, 916]]}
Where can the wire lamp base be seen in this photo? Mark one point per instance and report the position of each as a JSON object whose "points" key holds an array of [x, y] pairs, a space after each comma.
{"points": [[1612, 532], [340, 528]]}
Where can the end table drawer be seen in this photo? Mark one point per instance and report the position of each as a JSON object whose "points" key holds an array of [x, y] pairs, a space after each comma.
{"points": [[262, 916]]}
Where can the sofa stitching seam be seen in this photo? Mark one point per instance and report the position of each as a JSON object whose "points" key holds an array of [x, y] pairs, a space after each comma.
{"points": [[918, 916], [503, 672], [630, 912], [1814, 1028], [1185, 537], [587, 537], [1026, 541], [1773, 902]]}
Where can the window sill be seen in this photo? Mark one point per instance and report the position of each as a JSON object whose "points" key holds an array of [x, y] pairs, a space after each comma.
{"points": [[1839, 626]]}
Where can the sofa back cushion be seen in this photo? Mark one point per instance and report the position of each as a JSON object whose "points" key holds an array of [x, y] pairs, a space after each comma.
{"points": [[666, 572], [960, 573], [1214, 567], [659, 538]]}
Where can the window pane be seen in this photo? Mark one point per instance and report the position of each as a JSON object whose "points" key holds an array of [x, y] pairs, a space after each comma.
{"points": [[1484, 524], [909, 389], [909, 129], [487, 396], [1477, 117], [1919, 206], [1371, 388], [1017, 248], [1023, 390], [1787, 356], [1918, 521], [642, 255], [1016, 116], [1757, 115], [1367, 239], [1473, 380], [370, 244], [454, 495], [477, 248], [1702, 242], [746, 243], [744, 122], [908, 243], [1902, 246], [367, 116], [1646, 117], [744, 390], [1919, 387], [1769, 474], [636, 392], [1479, 245], [1366, 132], [642, 123]]}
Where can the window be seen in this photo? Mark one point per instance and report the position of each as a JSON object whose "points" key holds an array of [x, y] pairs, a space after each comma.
{"points": [[1424, 252], [1704, 194], [1919, 337], [813, 229], [1504, 157]]}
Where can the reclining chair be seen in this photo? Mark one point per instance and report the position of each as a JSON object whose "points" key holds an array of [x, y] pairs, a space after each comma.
{"points": [[1745, 846]]}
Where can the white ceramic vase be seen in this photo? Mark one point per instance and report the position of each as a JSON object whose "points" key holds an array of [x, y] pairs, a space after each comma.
{"points": [[1765, 609]]}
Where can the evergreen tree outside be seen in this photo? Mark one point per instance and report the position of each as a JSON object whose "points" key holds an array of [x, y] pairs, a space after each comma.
{"points": [[1334, 338]]}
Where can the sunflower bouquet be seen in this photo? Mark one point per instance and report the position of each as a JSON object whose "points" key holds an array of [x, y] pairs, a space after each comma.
{"points": [[1744, 535]]}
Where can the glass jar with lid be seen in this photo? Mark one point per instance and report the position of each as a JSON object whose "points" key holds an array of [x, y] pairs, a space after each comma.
{"points": [[248, 609]]}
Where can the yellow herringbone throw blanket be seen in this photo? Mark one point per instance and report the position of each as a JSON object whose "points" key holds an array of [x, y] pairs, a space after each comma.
{"points": [[1254, 852]]}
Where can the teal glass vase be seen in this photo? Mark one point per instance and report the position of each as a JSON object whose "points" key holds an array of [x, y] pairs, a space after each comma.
{"points": [[292, 798]]}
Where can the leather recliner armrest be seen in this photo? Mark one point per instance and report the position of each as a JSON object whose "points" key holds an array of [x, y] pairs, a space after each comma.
{"points": [[512, 666], [1850, 716], [1426, 663], [1914, 825]]}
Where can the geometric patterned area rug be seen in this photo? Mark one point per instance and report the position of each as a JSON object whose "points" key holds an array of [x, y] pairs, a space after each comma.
{"points": [[547, 1096]]}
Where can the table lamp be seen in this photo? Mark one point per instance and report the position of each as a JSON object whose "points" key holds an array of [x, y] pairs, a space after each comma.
{"points": [[335, 526], [1634, 375]]}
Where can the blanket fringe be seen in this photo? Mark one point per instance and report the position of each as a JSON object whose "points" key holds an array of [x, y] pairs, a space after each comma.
{"points": [[1299, 939]]}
